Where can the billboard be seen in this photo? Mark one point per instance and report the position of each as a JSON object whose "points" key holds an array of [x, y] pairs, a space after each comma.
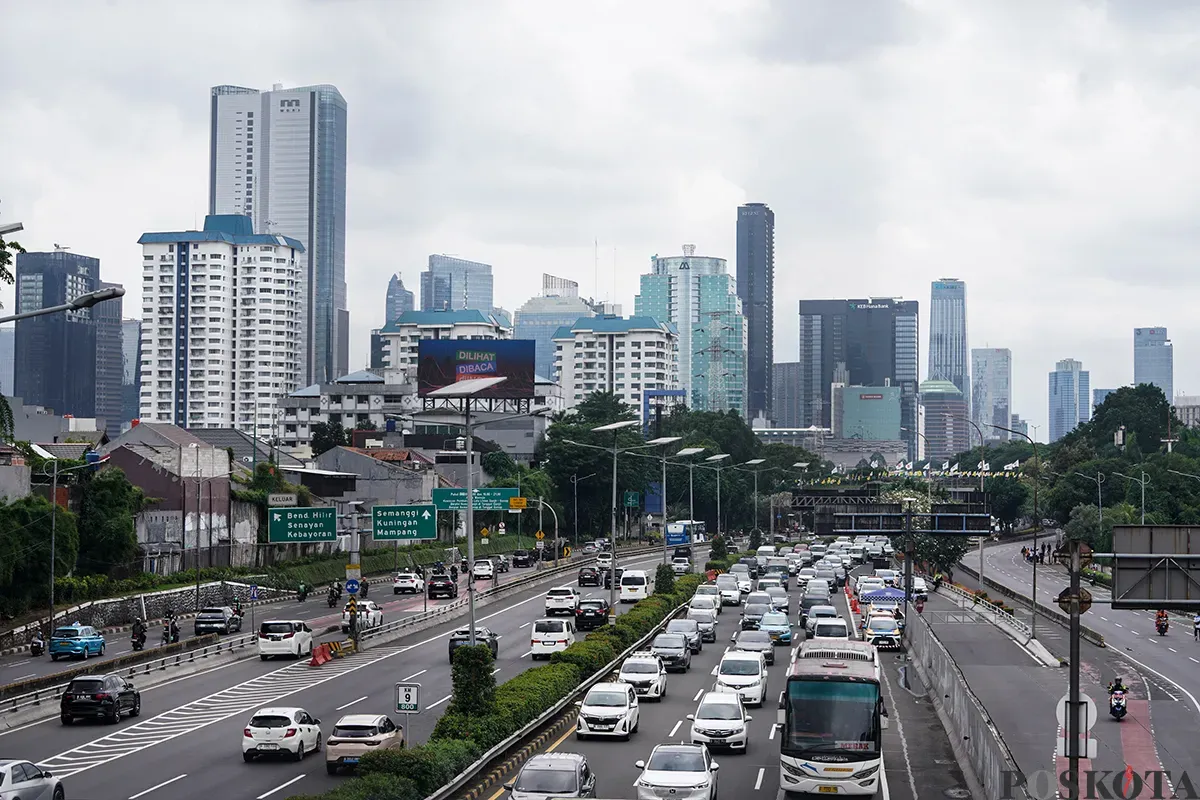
{"points": [[444, 362]]}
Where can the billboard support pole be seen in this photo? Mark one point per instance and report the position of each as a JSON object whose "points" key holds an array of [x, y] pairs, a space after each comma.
{"points": [[470, 516]]}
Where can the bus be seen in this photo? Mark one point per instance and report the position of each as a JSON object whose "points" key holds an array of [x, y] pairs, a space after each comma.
{"points": [[694, 528], [832, 720]]}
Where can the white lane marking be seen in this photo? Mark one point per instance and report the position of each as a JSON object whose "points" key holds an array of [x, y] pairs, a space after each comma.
{"points": [[497, 669], [774, 728], [1189, 695], [415, 674], [912, 784], [714, 672], [23, 677], [281, 787], [526, 653], [758, 781], [697, 697], [1119, 625], [1198, 662], [1104, 618], [352, 702], [439, 702], [158, 786], [19, 663], [672, 733]]}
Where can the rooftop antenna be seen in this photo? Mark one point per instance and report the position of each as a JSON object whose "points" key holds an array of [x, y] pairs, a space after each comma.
{"points": [[596, 266], [1170, 440], [614, 294], [60, 248]]}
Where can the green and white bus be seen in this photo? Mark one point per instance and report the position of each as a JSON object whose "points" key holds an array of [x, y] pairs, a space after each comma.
{"points": [[832, 720]]}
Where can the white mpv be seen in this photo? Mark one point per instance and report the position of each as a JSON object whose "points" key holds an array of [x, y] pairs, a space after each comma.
{"points": [[551, 636], [291, 637]]}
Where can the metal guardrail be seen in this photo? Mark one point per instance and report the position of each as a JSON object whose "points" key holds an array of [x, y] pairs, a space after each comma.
{"points": [[1044, 611], [18, 702], [987, 608]]}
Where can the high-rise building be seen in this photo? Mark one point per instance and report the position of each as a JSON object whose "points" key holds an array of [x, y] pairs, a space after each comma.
{"points": [[1070, 397], [785, 390], [1099, 396], [756, 288], [948, 335], [399, 299], [279, 158], [540, 317], [867, 342], [131, 370], [1154, 360], [698, 296], [220, 315], [8, 344], [1187, 408], [400, 339], [947, 429], [1019, 425], [454, 284], [110, 367], [610, 354], [55, 354], [991, 390]]}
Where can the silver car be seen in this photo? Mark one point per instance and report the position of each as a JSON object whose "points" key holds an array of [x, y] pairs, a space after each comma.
{"points": [[690, 630], [554, 774], [25, 779]]}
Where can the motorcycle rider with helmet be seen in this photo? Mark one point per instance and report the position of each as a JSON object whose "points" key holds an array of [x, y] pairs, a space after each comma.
{"points": [[1117, 686], [1161, 620]]}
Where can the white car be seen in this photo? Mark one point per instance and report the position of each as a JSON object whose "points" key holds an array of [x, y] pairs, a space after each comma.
{"points": [[284, 637], [721, 721], [681, 566], [646, 674], [867, 585], [678, 771], [832, 629], [920, 589], [408, 583], [370, 615], [604, 561], [608, 709], [731, 593], [562, 600], [745, 673], [815, 615], [706, 602], [483, 570], [24, 779], [551, 636], [281, 731]]}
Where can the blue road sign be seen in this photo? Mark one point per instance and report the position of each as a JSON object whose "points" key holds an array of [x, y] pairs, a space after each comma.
{"points": [[253, 592], [677, 539], [352, 586]]}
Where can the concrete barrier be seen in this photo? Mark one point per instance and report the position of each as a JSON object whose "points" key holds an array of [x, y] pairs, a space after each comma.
{"points": [[1043, 610]]}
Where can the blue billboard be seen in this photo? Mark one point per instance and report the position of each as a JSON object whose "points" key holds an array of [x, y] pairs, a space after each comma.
{"points": [[444, 362]]}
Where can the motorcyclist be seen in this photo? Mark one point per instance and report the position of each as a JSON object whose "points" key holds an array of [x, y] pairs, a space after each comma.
{"points": [[1196, 626], [1161, 620], [174, 630], [38, 645], [453, 573], [1117, 686]]}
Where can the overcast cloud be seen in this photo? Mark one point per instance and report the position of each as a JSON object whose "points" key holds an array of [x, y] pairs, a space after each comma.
{"points": [[1041, 151]]}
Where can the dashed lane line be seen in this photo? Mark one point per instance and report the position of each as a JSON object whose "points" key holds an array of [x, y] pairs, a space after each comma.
{"points": [[352, 702], [671, 735], [279, 788], [416, 674], [759, 780], [698, 694], [157, 787]]}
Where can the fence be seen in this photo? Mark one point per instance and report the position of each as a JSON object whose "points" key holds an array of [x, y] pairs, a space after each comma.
{"points": [[965, 717]]}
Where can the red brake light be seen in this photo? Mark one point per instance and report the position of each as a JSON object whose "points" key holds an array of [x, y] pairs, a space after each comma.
{"points": [[288, 635], [246, 732], [262, 635], [100, 696], [290, 732]]}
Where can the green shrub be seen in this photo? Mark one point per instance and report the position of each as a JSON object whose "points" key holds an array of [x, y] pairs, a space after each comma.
{"points": [[429, 766], [664, 579], [589, 656], [473, 680], [718, 551]]}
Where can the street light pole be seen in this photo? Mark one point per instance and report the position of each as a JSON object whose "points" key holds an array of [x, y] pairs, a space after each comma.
{"points": [[1142, 481], [663, 441], [1097, 479], [754, 462], [982, 455], [928, 463], [1037, 523], [716, 466], [615, 428], [575, 479]]}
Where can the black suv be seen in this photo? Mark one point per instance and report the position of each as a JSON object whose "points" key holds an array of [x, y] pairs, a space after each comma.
{"points": [[104, 697], [592, 613], [608, 577], [523, 558], [589, 576], [442, 586], [484, 636], [217, 620]]}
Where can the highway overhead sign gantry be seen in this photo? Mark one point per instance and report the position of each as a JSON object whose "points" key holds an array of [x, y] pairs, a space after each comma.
{"points": [[404, 523], [301, 525], [484, 499]]}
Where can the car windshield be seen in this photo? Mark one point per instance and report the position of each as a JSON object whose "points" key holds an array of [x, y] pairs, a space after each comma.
{"points": [[829, 629], [755, 610], [561, 593], [640, 668], [606, 697], [825, 573], [549, 626], [465, 633], [67, 633], [707, 589], [824, 611], [676, 761], [681, 626], [726, 582], [703, 602], [670, 641], [86, 685], [680, 561], [270, 721], [754, 637], [758, 598], [354, 731], [699, 616], [546, 781], [882, 624], [739, 568], [774, 621], [220, 612], [739, 666], [276, 627], [718, 710]]}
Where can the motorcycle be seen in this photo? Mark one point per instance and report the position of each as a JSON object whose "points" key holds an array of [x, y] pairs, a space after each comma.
{"points": [[333, 598], [1162, 626], [1116, 705], [37, 647], [302, 593], [138, 640]]}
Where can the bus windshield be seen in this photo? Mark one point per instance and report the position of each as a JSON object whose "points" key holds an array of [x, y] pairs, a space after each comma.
{"points": [[832, 717]]}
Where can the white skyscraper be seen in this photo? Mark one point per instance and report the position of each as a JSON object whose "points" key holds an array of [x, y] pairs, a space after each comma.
{"points": [[991, 390], [279, 157], [220, 314]]}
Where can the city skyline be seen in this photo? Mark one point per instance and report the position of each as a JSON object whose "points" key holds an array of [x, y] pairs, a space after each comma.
{"points": [[868, 208]]}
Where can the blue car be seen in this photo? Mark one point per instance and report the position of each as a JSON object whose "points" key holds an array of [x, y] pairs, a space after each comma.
{"points": [[777, 626], [76, 641]]}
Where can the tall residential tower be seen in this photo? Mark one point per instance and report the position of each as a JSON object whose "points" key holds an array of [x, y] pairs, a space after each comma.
{"points": [[756, 288], [279, 158], [1070, 397]]}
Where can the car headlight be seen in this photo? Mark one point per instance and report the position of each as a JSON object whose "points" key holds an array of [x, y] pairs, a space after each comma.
{"points": [[866, 773]]}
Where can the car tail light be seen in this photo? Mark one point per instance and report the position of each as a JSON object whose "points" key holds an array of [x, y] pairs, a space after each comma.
{"points": [[290, 733], [533, 642], [246, 732], [100, 696], [288, 635], [262, 635], [562, 641]]}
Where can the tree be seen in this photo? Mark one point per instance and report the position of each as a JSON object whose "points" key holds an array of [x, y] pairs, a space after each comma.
{"points": [[107, 537], [25, 551], [940, 552], [664, 579], [326, 436], [473, 681], [719, 550], [499, 464], [1007, 497], [755, 539], [365, 425]]}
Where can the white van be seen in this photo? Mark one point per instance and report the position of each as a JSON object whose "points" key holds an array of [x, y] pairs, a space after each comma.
{"points": [[763, 553], [550, 636], [634, 586]]}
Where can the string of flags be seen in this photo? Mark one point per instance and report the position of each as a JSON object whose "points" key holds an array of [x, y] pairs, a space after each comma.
{"points": [[841, 474]]}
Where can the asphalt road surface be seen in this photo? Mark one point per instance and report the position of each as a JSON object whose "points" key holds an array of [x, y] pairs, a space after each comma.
{"points": [[186, 744], [1163, 672], [315, 610]]}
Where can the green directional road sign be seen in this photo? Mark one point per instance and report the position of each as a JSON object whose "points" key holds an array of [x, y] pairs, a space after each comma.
{"points": [[632, 500], [301, 525], [484, 499], [403, 523]]}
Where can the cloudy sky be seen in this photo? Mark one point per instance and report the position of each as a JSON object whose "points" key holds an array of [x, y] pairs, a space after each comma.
{"points": [[1041, 150]]}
